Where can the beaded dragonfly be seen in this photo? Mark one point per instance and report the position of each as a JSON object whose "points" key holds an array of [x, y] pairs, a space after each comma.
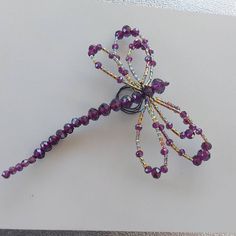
{"points": [[144, 91], [142, 98]]}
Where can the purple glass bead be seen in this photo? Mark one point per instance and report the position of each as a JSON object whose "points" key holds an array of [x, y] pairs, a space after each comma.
{"points": [[148, 58], [156, 173], [84, 120], [139, 153], [61, 134], [164, 169], [111, 55], [137, 97], [164, 151], [128, 58], [161, 127], [76, 122], [182, 135], [12, 170], [120, 79], [169, 125], [148, 91], [197, 161], [138, 127], [204, 155], [181, 152], [150, 51], [6, 174], [19, 167], [131, 46], [46, 146], [93, 114], [99, 47], [126, 30], [206, 146], [135, 32], [158, 86], [68, 128], [115, 46], [192, 127], [148, 169], [155, 125], [25, 163], [98, 65], [137, 43], [115, 104], [104, 109], [119, 34], [152, 63], [39, 153], [183, 114], [32, 160], [198, 131], [53, 140], [126, 102], [186, 121], [169, 142], [189, 133]]}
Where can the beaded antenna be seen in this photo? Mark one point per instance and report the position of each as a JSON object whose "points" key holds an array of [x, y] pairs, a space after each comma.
{"points": [[142, 98]]}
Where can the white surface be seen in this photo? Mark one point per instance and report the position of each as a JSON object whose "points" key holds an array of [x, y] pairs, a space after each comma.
{"points": [[92, 179]]}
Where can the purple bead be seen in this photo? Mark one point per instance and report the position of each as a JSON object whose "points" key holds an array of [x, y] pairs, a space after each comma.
{"points": [[6, 174], [93, 114], [204, 155], [126, 30], [115, 46], [119, 34], [76, 122], [137, 43], [25, 163], [181, 152], [148, 91], [61, 134], [152, 63], [138, 127], [111, 55], [155, 125], [104, 109], [206, 146], [189, 133], [197, 161], [192, 127], [158, 86], [161, 127], [186, 121], [148, 169], [39, 153], [126, 102], [46, 146], [99, 47], [98, 65], [164, 151], [164, 169], [139, 153], [183, 114], [169, 125], [148, 58], [84, 120], [125, 72], [53, 140], [156, 173], [68, 128], [12, 170], [19, 167], [131, 46], [137, 97], [32, 160], [92, 50], [169, 142], [120, 79], [128, 58], [150, 51], [115, 104], [182, 135], [135, 32], [198, 131]]}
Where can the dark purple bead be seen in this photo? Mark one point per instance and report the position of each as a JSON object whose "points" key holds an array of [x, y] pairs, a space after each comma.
{"points": [[148, 58], [93, 114], [125, 72], [53, 140], [104, 109], [119, 34], [115, 104], [68, 128], [84, 120], [161, 127], [138, 127], [128, 58], [169, 142], [164, 169], [169, 125], [181, 152], [12, 170], [19, 167], [206, 146], [111, 55], [135, 32], [120, 79], [158, 86], [6, 174], [164, 151], [32, 160], [126, 102], [76, 122], [131, 46], [189, 133], [61, 134], [183, 114], [39, 153], [25, 163], [115, 46], [99, 47], [126, 30], [152, 63], [156, 173], [46, 146], [150, 51], [155, 125], [98, 65], [137, 43], [137, 97], [204, 155], [197, 161], [186, 121], [198, 131], [148, 169], [192, 127], [148, 91], [139, 153], [182, 135]]}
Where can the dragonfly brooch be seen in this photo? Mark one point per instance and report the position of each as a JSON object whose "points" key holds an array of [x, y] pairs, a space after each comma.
{"points": [[143, 98]]}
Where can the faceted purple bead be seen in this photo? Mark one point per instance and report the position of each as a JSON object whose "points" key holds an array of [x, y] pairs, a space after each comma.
{"points": [[32, 160], [6, 174], [115, 104], [183, 114], [126, 30], [119, 34], [137, 43], [148, 169], [139, 153], [39, 153], [161, 127], [25, 163], [169, 142], [68, 128], [156, 173], [198, 131], [148, 91], [104, 109], [46, 146], [131, 46], [135, 32], [155, 125], [120, 79], [128, 58], [93, 114], [164, 169], [197, 161], [138, 127], [164, 151], [182, 135], [98, 65], [204, 155], [169, 125], [189, 133], [137, 97], [53, 140], [12, 170], [115, 46], [76, 122], [186, 121], [126, 102], [19, 167], [181, 152], [61, 134], [158, 86], [206, 146], [84, 120], [152, 63]]}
